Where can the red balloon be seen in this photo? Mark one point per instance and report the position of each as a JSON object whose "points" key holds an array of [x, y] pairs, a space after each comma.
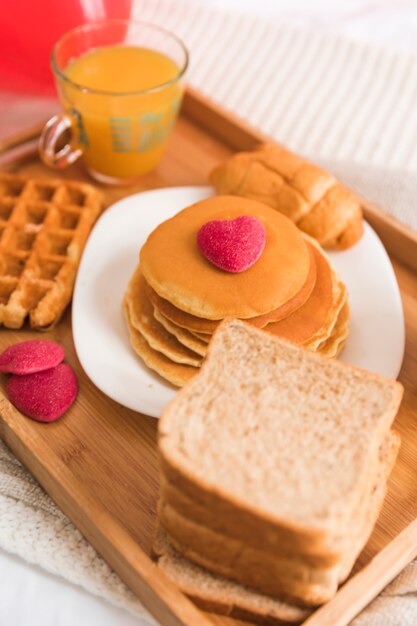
{"points": [[30, 28]]}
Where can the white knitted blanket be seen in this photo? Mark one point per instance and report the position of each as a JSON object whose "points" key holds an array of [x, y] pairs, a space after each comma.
{"points": [[351, 107]]}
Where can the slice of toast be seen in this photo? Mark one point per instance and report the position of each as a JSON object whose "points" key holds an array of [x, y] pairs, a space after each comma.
{"points": [[290, 577], [218, 594], [289, 551], [276, 437]]}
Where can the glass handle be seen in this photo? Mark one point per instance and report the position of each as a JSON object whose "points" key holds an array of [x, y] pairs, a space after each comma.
{"points": [[52, 132]]}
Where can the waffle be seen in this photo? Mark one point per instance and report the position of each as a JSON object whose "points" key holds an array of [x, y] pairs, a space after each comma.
{"points": [[44, 225]]}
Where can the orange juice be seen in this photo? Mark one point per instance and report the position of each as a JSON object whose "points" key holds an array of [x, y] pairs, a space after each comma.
{"points": [[124, 100]]}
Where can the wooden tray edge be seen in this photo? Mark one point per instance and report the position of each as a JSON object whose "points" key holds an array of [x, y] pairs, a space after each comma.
{"points": [[153, 588], [158, 594]]}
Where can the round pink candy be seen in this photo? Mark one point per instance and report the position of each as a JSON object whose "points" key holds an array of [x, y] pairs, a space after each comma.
{"points": [[32, 356], [233, 245], [44, 396]]}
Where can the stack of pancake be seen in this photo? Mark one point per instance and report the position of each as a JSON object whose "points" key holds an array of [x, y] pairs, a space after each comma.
{"points": [[177, 298]]}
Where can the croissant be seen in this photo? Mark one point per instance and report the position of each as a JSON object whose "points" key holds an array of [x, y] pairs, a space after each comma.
{"points": [[311, 197]]}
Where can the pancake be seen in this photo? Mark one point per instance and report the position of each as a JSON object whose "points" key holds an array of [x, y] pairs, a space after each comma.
{"points": [[260, 321], [203, 336], [340, 300], [184, 336], [142, 318], [179, 374], [177, 271], [200, 325], [315, 324], [333, 346], [318, 314], [175, 373]]}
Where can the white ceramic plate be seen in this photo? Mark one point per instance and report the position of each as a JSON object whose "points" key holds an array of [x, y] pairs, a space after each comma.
{"points": [[376, 339]]}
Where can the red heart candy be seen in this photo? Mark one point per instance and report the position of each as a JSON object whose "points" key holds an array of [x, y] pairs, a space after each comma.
{"points": [[46, 395], [233, 245], [31, 356]]}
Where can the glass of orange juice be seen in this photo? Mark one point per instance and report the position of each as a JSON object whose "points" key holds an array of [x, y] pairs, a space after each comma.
{"points": [[120, 83]]}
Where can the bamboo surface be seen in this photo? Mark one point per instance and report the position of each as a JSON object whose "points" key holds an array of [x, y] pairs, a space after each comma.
{"points": [[99, 462]]}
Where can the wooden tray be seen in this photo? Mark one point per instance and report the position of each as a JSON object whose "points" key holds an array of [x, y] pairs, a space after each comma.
{"points": [[100, 464]]}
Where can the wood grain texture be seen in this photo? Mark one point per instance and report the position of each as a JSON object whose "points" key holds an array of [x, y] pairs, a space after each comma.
{"points": [[99, 462]]}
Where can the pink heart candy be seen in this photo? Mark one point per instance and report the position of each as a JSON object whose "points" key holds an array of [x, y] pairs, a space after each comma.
{"points": [[233, 245], [44, 396], [31, 356]]}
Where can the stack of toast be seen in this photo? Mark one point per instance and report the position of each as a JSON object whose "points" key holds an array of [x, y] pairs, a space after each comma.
{"points": [[176, 298], [274, 465]]}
